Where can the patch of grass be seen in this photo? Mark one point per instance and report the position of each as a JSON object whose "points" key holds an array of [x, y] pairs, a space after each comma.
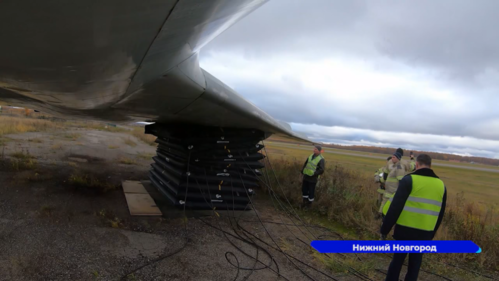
{"points": [[109, 218], [99, 126], [127, 161], [46, 210], [23, 164], [72, 136], [145, 155], [465, 220], [113, 147], [131, 277], [15, 125], [21, 155], [348, 265], [56, 146], [87, 181], [479, 186], [347, 195], [36, 140], [138, 132], [130, 142], [37, 177]]}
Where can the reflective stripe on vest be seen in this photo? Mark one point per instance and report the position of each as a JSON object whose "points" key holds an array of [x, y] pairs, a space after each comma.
{"points": [[422, 208], [309, 170]]}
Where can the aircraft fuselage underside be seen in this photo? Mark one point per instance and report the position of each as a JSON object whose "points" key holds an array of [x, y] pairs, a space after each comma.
{"points": [[122, 60]]}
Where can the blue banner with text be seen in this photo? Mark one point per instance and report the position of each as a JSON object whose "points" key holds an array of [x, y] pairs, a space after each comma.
{"points": [[399, 246]]}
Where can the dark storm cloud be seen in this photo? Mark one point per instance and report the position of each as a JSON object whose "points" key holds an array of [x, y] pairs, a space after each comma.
{"points": [[458, 37]]}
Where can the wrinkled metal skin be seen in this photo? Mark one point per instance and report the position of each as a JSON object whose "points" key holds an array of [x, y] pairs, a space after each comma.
{"points": [[122, 60]]}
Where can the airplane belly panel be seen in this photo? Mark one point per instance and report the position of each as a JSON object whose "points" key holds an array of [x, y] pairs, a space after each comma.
{"points": [[81, 53], [190, 26]]}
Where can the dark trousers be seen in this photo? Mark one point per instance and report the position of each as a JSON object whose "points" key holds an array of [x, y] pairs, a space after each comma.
{"points": [[415, 260], [308, 190]]}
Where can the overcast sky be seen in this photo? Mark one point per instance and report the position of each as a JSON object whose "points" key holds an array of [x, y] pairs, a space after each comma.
{"points": [[412, 74]]}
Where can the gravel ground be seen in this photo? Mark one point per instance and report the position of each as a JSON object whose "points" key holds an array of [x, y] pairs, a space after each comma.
{"points": [[51, 229]]}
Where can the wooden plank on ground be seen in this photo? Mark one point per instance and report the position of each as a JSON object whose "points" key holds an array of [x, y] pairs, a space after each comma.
{"points": [[133, 187], [139, 202], [142, 205]]}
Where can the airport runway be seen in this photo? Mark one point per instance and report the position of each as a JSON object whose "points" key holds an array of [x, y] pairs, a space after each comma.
{"points": [[382, 157]]}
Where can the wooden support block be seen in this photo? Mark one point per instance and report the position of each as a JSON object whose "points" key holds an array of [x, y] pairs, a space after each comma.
{"points": [[140, 203], [133, 187]]}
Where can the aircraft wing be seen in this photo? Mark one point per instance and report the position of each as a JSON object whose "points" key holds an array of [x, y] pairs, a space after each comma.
{"points": [[123, 60]]}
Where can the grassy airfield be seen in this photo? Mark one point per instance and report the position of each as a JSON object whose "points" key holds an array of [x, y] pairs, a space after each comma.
{"points": [[476, 185]]}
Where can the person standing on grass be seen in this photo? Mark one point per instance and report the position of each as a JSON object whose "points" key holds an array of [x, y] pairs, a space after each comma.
{"points": [[416, 210], [396, 171], [379, 177], [312, 169]]}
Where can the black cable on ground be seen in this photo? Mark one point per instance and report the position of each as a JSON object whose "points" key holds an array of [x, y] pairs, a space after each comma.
{"points": [[270, 236], [235, 246], [272, 192], [236, 266], [273, 196], [249, 239], [355, 272], [298, 260], [243, 240], [160, 258], [272, 247]]}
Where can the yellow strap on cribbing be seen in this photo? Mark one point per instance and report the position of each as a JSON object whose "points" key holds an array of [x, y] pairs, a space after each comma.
{"points": [[215, 211]]}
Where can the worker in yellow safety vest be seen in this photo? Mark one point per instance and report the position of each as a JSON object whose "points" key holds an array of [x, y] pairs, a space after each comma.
{"points": [[416, 210], [311, 171]]}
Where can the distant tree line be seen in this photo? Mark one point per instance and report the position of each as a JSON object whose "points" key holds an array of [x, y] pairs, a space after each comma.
{"points": [[434, 155]]}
